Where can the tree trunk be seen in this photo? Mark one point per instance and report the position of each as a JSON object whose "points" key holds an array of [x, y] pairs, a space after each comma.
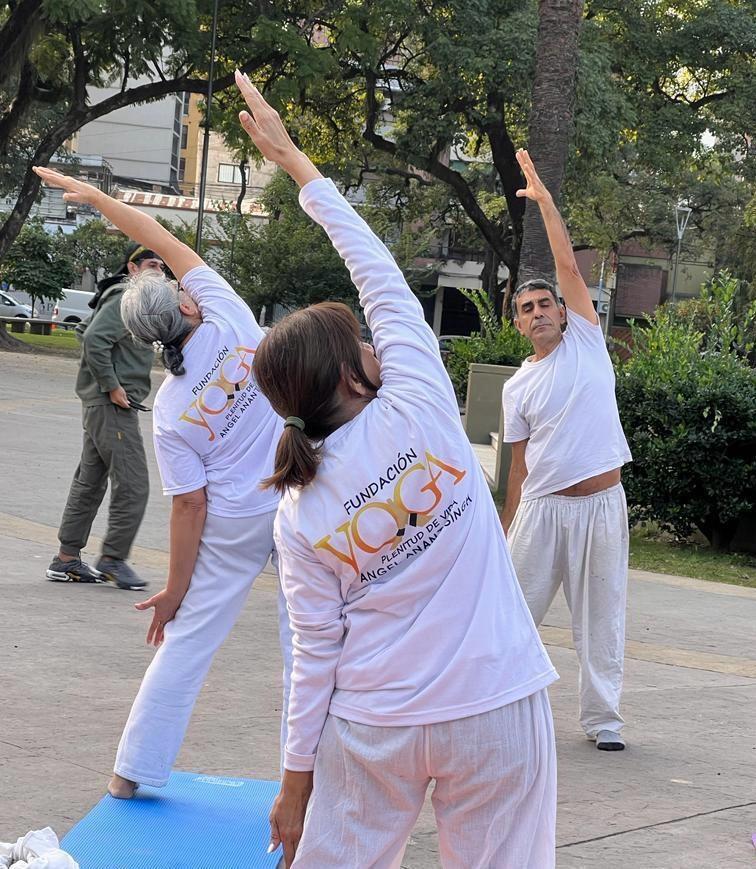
{"points": [[551, 121], [489, 277], [719, 534], [8, 342]]}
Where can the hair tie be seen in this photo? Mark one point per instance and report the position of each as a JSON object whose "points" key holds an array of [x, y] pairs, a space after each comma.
{"points": [[294, 421]]}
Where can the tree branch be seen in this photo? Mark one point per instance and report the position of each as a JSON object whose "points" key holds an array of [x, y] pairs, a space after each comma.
{"points": [[126, 68], [18, 107], [78, 116], [404, 173], [658, 89], [17, 34], [444, 173], [81, 71], [504, 159]]}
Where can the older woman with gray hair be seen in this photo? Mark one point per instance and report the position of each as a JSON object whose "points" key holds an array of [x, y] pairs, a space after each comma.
{"points": [[215, 437]]}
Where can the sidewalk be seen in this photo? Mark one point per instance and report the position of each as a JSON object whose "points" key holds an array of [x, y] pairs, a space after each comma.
{"points": [[72, 658]]}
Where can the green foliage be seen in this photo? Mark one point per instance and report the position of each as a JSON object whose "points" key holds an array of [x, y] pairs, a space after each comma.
{"points": [[497, 343], [724, 314], [683, 75], [93, 246], [37, 263], [687, 399], [665, 96], [185, 231], [288, 260]]}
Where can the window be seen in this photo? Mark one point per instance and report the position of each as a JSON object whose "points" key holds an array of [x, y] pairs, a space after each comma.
{"points": [[182, 168], [230, 174], [184, 136], [226, 173], [185, 103]]}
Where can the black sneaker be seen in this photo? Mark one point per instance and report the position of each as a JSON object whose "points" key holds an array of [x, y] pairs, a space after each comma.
{"points": [[119, 573], [74, 570]]}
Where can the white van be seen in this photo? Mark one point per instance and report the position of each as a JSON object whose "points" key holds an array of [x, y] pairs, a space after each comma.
{"points": [[73, 307]]}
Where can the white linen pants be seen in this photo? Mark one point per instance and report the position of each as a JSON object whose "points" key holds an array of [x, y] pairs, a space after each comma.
{"points": [[232, 553], [494, 795], [580, 543]]}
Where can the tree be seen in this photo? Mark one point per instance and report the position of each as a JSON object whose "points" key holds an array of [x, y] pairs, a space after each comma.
{"points": [[55, 52], [288, 260], [37, 264], [443, 92], [551, 122], [688, 104], [93, 246]]}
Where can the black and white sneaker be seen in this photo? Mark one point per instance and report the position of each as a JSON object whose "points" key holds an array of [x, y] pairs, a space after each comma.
{"points": [[609, 740], [119, 573], [74, 570]]}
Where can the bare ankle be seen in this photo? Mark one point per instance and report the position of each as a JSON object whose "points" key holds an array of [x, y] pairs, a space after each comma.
{"points": [[121, 788]]}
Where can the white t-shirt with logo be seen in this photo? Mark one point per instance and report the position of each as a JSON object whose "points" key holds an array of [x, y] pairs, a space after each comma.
{"points": [[401, 592], [565, 405], [212, 426]]}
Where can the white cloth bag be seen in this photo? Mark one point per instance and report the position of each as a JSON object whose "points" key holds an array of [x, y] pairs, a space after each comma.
{"points": [[38, 849]]}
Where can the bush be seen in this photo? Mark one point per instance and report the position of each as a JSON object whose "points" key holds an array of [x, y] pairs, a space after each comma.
{"points": [[687, 399], [497, 343]]}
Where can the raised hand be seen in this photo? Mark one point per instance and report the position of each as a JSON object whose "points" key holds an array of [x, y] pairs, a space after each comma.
{"points": [[76, 191], [264, 126], [536, 189]]}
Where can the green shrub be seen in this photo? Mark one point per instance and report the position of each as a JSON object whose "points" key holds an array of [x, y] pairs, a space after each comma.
{"points": [[497, 343], [687, 399]]}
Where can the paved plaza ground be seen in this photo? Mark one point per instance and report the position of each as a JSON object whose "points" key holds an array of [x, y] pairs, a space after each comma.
{"points": [[71, 659]]}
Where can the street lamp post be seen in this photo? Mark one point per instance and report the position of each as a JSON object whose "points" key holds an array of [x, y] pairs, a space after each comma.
{"points": [[682, 216], [206, 140]]}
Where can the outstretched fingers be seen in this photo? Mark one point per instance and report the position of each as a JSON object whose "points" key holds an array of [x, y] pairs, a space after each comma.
{"points": [[76, 190], [252, 97], [534, 184], [52, 177]]}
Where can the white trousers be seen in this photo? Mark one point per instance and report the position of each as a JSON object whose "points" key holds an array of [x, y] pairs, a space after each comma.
{"points": [[582, 544], [232, 553], [494, 796]]}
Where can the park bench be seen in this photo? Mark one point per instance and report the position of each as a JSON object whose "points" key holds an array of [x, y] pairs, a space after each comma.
{"points": [[37, 326]]}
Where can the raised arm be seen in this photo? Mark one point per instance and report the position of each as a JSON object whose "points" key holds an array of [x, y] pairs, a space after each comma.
{"points": [[133, 223], [571, 283], [405, 345]]}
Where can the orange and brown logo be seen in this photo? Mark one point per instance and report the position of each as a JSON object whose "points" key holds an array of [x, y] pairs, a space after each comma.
{"points": [[219, 389], [377, 525]]}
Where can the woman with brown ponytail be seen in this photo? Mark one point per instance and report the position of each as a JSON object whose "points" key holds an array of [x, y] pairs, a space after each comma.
{"points": [[415, 656], [215, 436]]}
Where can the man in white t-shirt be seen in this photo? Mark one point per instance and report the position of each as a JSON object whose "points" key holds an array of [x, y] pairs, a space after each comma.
{"points": [[565, 514]]}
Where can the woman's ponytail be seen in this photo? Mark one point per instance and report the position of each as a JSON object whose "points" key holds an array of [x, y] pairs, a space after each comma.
{"points": [[299, 366], [173, 359], [297, 460]]}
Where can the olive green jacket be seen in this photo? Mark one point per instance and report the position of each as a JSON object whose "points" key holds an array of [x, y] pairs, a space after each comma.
{"points": [[110, 357]]}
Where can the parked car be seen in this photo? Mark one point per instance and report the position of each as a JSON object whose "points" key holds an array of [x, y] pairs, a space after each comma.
{"points": [[73, 307], [9, 307]]}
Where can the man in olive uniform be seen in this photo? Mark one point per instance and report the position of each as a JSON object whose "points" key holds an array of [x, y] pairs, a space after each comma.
{"points": [[114, 375]]}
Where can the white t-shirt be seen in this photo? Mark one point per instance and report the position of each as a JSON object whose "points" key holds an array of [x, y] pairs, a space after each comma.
{"points": [[212, 427], [401, 592], [565, 405]]}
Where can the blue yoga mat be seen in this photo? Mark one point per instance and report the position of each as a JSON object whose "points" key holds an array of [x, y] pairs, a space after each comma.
{"points": [[194, 822]]}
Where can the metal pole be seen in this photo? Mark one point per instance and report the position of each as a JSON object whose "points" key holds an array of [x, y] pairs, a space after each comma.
{"points": [[206, 140], [677, 266], [682, 216]]}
